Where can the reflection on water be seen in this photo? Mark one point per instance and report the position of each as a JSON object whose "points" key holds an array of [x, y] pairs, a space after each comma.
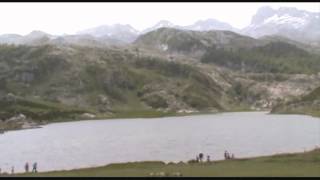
{"points": [[92, 143]]}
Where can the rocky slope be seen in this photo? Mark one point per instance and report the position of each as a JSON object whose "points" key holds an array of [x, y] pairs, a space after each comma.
{"points": [[192, 43], [308, 104], [46, 83], [231, 50], [261, 72], [162, 72]]}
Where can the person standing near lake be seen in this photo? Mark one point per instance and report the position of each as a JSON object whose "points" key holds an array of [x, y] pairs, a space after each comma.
{"points": [[200, 157], [208, 158], [34, 168], [226, 155], [12, 170], [26, 167]]}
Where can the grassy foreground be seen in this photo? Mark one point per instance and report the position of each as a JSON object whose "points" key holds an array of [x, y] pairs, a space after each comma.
{"points": [[296, 164]]}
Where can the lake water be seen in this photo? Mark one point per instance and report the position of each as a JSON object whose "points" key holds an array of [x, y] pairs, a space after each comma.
{"points": [[98, 142]]}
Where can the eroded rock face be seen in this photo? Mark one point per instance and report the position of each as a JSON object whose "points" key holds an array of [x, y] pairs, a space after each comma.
{"points": [[88, 115], [15, 122], [9, 97], [163, 98], [103, 99], [268, 93], [20, 117]]}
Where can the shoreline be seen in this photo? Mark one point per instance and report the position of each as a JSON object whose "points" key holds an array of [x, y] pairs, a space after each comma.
{"points": [[274, 153], [39, 125], [146, 164], [316, 148], [142, 116]]}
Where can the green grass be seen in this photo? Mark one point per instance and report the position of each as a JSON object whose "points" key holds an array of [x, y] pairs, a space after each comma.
{"points": [[297, 164], [306, 111], [40, 110], [141, 114]]}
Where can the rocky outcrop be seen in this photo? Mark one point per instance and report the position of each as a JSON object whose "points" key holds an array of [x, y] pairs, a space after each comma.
{"points": [[19, 121], [87, 116]]}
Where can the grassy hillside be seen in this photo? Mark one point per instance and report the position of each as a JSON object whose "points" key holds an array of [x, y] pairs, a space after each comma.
{"points": [[122, 81], [275, 38], [234, 51], [62, 82], [39, 110], [274, 57], [192, 43]]}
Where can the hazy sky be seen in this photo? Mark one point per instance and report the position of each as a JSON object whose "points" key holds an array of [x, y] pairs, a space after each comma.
{"points": [[60, 18]]}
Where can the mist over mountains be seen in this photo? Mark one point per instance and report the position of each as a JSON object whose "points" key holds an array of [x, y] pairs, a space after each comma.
{"points": [[298, 25]]}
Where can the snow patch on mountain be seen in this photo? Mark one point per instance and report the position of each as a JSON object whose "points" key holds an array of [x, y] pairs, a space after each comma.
{"points": [[291, 23], [160, 24], [286, 19], [164, 47]]}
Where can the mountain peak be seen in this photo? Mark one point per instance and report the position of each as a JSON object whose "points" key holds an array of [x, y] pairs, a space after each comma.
{"points": [[262, 13], [210, 24], [37, 33], [123, 32], [288, 9], [165, 22], [160, 24], [266, 12], [289, 22], [210, 20]]}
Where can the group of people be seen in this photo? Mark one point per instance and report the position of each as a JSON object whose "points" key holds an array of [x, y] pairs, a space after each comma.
{"points": [[26, 168], [228, 156], [34, 167], [199, 158]]}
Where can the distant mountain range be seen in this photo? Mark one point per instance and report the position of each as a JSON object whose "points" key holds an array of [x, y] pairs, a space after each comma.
{"points": [[125, 33], [201, 25], [287, 22], [32, 38]]}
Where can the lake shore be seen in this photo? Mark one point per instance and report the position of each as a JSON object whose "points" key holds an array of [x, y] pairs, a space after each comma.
{"points": [[114, 133], [123, 115], [289, 164], [135, 115], [313, 114]]}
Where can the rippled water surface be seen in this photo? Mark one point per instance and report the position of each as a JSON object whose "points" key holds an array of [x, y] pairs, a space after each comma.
{"points": [[98, 142]]}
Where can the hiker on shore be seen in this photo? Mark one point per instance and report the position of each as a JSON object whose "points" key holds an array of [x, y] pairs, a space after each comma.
{"points": [[200, 157], [12, 170], [208, 158], [197, 158], [34, 169], [226, 155], [26, 167]]}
